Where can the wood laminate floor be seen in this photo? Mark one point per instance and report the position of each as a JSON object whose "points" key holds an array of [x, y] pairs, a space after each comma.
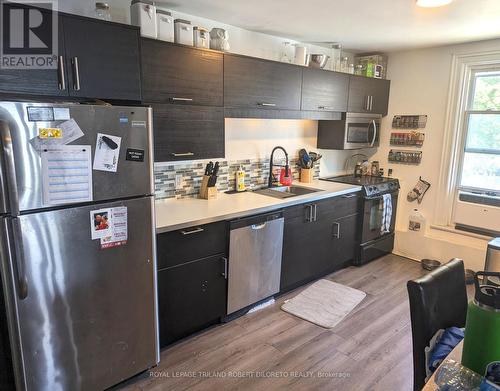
{"points": [[271, 350]]}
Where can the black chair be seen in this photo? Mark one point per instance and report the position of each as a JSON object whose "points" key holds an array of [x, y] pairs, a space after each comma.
{"points": [[437, 301]]}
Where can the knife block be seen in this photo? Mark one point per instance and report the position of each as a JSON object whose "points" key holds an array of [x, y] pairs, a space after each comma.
{"points": [[306, 175], [207, 193]]}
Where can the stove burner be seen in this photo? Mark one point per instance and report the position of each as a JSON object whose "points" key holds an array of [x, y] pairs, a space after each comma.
{"points": [[372, 185]]}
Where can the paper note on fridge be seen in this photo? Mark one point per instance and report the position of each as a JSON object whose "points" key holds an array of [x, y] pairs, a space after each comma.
{"points": [[119, 229], [66, 174], [107, 152], [101, 223], [67, 132]]}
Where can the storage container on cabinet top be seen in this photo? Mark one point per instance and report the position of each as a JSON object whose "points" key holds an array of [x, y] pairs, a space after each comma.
{"points": [[164, 25], [143, 14]]}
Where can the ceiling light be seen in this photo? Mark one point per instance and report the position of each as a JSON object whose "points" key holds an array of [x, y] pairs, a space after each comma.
{"points": [[432, 3]]}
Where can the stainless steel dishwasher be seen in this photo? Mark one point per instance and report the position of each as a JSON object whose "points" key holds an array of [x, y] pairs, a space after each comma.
{"points": [[255, 248]]}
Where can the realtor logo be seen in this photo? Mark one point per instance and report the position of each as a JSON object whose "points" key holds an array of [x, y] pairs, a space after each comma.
{"points": [[29, 34]]}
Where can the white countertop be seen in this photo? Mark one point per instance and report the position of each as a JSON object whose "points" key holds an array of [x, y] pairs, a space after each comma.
{"points": [[172, 213]]}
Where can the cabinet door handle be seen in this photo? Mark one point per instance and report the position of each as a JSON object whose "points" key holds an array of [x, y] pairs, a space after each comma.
{"points": [[259, 226], [325, 108], [315, 212], [76, 74], [309, 218], [349, 195], [336, 230], [175, 99], [374, 133], [224, 273], [266, 104], [60, 73], [371, 102], [367, 103], [182, 154], [192, 231]]}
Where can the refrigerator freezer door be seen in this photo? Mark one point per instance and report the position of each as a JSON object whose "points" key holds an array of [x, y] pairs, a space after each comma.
{"points": [[88, 319], [23, 122]]}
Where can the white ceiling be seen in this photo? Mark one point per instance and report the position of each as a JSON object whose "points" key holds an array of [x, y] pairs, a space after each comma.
{"points": [[360, 25]]}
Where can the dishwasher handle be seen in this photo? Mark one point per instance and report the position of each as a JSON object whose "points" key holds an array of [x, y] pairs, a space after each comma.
{"points": [[256, 222]]}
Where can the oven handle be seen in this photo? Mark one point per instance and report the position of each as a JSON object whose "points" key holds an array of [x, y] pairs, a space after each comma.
{"points": [[393, 193], [374, 133]]}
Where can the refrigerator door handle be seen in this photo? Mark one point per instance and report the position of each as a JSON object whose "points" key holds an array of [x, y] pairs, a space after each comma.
{"points": [[8, 170], [19, 266], [7, 267]]}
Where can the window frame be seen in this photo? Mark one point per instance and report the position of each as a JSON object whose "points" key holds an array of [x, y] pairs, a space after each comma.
{"points": [[467, 113], [462, 66]]}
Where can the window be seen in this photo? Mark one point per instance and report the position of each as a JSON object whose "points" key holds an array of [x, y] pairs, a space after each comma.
{"points": [[480, 171]]}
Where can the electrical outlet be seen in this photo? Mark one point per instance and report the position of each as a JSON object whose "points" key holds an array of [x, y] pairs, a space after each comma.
{"points": [[178, 181]]}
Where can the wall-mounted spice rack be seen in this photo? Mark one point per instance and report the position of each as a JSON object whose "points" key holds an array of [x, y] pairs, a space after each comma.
{"points": [[412, 139], [404, 157], [409, 121]]}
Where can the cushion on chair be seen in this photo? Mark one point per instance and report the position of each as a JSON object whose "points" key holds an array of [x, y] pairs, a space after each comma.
{"points": [[437, 301]]}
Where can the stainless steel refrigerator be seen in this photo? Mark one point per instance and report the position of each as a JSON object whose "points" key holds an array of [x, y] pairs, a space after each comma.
{"points": [[81, 310]]}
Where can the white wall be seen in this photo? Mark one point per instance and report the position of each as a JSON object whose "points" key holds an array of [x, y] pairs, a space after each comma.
{"points": [[419, 85]]}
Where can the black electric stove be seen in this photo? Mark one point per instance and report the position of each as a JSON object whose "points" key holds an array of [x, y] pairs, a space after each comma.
{"points": [[373, 186], [377, 239]]}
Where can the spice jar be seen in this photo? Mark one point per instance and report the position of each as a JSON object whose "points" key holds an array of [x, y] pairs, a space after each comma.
{"points": [[102, 11]]}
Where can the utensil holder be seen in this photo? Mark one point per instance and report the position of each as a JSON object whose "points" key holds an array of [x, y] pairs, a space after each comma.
{"points": [[207, 193], [306, 175]]}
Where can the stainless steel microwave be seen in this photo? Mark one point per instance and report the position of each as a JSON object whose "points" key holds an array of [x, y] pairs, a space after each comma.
{"points": [[352, 131]]}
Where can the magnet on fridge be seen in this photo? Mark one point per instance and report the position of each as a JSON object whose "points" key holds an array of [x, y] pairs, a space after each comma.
{"points": [[50, 133]]}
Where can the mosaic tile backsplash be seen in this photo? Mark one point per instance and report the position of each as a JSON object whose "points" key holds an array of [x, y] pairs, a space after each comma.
{"points": [[256, 175]]}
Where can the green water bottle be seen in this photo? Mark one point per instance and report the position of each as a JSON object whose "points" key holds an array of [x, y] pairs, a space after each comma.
{"points": [[482, 330]]}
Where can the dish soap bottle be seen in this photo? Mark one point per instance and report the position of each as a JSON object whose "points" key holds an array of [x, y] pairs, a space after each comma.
{"points": [[240, 179]]}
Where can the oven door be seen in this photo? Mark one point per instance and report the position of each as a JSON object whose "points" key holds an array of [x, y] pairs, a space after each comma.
{"points": [[361, 133], [373, 215]]}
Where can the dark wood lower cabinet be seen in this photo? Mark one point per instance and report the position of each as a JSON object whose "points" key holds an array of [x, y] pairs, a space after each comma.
{"points": [[319, 238], [346, 234], [191, 297], [305, 251]]}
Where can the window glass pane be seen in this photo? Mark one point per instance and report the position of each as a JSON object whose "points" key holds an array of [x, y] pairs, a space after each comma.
{"points": [[481, 171], [484, 131], [487, 92]]}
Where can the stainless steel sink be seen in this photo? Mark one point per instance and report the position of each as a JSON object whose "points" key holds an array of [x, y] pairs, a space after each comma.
{"points": [[286, 191]]}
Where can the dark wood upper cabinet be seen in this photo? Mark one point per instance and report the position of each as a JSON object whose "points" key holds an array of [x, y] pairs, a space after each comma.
{"points": [[183, 132], [102, 59], [324, 90], [255, 83], [181, 75], [50, 82], [367, 95]]}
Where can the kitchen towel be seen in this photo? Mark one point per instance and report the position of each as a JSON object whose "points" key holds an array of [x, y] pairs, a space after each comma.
{"points": [[386, 214], [324, 303]]}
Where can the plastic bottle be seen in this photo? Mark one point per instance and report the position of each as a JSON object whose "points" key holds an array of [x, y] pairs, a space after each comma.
{"points": [[481, 351], [240, 179], [416, 221]]}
